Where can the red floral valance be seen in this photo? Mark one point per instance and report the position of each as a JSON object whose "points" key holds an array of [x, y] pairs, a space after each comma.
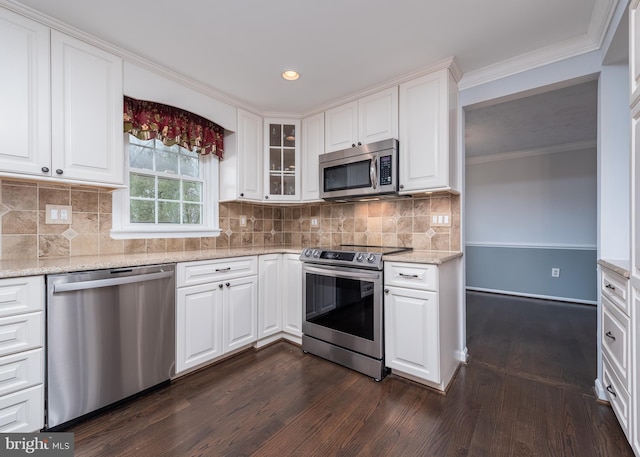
{"points": [[147, 120]]}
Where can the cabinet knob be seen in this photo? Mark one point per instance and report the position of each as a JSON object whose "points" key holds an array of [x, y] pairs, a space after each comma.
{"points": [[266, 197], [59, 171], [611, 391], [242, 194], [45, 169], [220, 286], [353, 145], [386, 291], [401, 186], [359, 144], [228, 284]]}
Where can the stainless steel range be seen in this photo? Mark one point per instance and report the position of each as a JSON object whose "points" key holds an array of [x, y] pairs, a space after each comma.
{"points": [[343, 319]]}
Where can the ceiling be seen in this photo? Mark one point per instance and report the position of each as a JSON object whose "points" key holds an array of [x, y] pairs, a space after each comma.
{"points": [[240, 47]]}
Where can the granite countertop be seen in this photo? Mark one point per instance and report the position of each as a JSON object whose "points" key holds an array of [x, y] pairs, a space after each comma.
{"points": [[622, 267], [15, 268]]}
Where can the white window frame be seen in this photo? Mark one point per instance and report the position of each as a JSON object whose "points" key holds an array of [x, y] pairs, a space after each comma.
{"points": [[122, 229]]}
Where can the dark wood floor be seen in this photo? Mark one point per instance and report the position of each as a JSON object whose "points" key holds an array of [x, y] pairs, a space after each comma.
{"points": [[525, 392]]}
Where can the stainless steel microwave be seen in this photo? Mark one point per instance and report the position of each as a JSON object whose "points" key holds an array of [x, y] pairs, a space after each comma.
{"points": [[370, 170]]}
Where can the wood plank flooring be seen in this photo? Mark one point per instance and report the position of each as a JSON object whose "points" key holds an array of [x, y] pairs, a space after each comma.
{"points": [[526, 391]]}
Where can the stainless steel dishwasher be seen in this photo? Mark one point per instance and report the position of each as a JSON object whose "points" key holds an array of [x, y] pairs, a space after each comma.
{"points": [[110, 335]]}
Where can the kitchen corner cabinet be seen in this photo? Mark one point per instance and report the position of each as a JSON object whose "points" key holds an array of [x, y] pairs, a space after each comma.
{"points": [[217, 302], [428, 133], [282, 160], [366, 120], [22, 354], [270, 303], [421, 319], [312, 147]]}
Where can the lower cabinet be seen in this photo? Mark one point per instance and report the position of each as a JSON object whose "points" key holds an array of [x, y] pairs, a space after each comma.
{"points": [[22, 354], [421, 317], [217, 316], [292, 297]]}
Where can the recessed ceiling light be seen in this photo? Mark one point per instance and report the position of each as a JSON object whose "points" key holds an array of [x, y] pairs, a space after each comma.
{"points": [[290, 75]]}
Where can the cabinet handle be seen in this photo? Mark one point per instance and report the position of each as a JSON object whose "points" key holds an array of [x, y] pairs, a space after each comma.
{"points": [[610, 335], [220, 286], [386, 291], [223, 269], [406, 276], [611, 391], [609, 286], [228, 284], [401, 186], [45, 169]]}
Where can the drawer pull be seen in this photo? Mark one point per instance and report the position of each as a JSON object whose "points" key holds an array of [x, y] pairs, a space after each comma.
{"points": [[611, 391], [610, 287], [610, 335], [406, 276], [220, 270]]}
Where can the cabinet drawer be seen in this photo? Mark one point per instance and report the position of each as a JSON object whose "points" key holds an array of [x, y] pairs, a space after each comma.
{"points": [[22, 411], [21, 295], [21, 333], [615, 339], [615, 287], [205, 271], [21, 371], [411, 275], [618, 396]]}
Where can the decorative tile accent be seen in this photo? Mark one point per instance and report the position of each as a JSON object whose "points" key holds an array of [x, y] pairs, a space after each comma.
{"points": [[70, 234], [430, 233], [396, 216], [4, 209], [228, 232]]}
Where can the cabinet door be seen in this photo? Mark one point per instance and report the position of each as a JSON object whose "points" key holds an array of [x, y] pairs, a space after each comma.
{"points": [[87, 138], [270, 297], [199, 325], [249, 156], [424, 133], [412, 332], [634, 50], [25, 110], [312, 147], [292, 286], [341, 127], [378, 116], [282, 160], [240, 312], [22, 411]]}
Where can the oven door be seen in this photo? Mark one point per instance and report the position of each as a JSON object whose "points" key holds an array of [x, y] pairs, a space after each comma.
{"points": [[343, 306]]}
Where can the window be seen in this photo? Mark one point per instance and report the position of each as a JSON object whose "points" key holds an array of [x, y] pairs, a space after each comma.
{"points": [[170, 193]]}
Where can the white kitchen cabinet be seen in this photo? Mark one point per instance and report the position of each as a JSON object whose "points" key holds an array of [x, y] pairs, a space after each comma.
{"points": [[216, 309], [292, 299], [282, 160], [366, 120], [87, 98], [312, 147], [428, 126], [22, 354], [421, 321], [25, 111], [634, 51], [271, 290]]}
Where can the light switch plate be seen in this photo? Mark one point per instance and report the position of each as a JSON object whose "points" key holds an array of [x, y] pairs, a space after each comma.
{"points": [[58, 214], [440, 219]]}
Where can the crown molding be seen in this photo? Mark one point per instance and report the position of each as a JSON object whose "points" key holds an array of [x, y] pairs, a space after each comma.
{"points": [[567, 147]]}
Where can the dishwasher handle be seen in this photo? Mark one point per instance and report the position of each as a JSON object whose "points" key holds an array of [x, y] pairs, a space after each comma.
{"points": [[92, 284]]}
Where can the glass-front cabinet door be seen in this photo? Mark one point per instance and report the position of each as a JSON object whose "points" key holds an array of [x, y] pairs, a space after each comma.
{"points": [[282, 159]]}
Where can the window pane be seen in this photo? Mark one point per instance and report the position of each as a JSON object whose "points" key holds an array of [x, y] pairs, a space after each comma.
{"points": [[192, 191], [167, 162], [169, 212], [191, 213], [140, 157], [142, 186], [189, 166], [168, 189], [142, 211]]}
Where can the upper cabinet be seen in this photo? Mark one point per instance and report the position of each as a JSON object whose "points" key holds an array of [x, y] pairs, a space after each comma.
{"points": [[369, 119], [61, 116], [87, 139], [634, 52], [428, 120], [312, 147], [282, 159]]}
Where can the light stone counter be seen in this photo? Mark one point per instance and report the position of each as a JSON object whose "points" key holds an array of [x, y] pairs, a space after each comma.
{"points": [[622, 267], [416, 256]]}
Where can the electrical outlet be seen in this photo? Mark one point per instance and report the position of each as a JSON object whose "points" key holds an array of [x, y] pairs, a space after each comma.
{"points": [[58, 214], [555, 272], [314, 222], [441, 220], [243, 221]]}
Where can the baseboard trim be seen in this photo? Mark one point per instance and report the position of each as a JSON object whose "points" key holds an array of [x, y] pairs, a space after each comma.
{"points": [[543, 297], [600, 391]]}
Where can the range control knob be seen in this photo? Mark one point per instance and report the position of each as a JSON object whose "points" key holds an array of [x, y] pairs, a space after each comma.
{"points": [[360, 257], [307, 252], [316, 253], [371, 258]]}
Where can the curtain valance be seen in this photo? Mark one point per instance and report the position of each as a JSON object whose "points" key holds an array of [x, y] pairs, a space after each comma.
{"points": [[147, 120]]}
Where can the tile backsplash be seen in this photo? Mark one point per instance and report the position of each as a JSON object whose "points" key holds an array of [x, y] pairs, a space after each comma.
{"points": [[403, 221]]}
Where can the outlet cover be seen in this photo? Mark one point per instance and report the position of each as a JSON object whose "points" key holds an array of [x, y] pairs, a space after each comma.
{"points": [[58, 214], [555, 272], [441, 220]]}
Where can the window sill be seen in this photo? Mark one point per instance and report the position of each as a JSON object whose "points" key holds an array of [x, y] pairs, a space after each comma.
{"points": [[136, 233]]}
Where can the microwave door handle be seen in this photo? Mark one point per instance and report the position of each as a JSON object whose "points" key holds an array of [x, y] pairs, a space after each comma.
{"points": [[373, 173]]}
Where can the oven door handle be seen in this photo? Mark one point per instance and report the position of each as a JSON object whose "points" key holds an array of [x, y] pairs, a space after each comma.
{"points": [[342, 271]]}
